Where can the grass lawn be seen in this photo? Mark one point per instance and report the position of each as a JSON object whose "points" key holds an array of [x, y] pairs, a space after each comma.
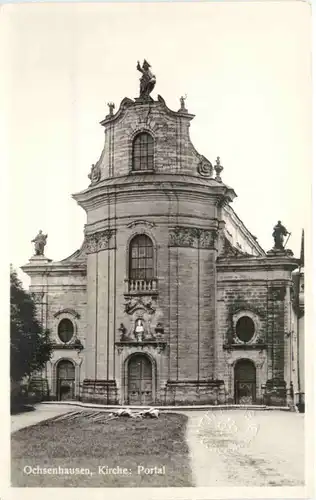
{"points": [[141, 453]]}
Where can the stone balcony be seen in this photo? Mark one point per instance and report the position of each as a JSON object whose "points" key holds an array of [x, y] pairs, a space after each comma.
{"points": [[146, 286]]}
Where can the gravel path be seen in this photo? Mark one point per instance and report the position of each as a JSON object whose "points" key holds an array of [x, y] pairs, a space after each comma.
{"points": [[246, 448]]}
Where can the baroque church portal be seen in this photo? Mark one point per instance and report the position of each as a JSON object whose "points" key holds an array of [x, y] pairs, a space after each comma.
{"points": [[170, 299]]}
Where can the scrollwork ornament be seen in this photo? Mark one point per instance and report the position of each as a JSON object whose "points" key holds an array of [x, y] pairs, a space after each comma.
{"points": [[100, 241], [175, 237], [95, 174], [207, 239], [140, 303], [205, 168], [191, 237], [260, 362], [37, 297], [104, 239], [277, 293], [91, 244], [182, 237]]}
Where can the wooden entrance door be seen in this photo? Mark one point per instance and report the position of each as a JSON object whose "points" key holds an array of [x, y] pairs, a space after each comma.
{"points": [[245, 382], [65, 380], [140, 381]]}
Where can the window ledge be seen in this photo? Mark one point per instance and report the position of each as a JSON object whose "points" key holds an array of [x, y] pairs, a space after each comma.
{"points": [[246, 347], [73, 344], [142, 292], [147, 171]]}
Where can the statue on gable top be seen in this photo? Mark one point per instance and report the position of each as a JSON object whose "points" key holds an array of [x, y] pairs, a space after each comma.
{"points": [[147, 81], [39, 242], [279, 232]]}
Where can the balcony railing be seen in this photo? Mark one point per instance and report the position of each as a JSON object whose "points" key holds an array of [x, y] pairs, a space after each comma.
{"points": [[141, 286]]}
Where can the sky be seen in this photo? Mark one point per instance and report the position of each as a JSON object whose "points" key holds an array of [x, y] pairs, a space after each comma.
{"points": [[245, 68]]}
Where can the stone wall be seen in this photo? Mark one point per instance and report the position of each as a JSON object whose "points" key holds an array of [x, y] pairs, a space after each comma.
{"points": [[174, 151], [100, 392], [250, 287], [59, 291], [183, 304], [195, 392]]}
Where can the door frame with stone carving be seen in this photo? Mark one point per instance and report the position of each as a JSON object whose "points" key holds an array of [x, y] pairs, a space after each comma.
{"points": [[247, 383], [63, 382], [153, 375]]}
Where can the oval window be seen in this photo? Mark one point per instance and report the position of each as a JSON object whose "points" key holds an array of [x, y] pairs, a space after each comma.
{"points": [[65, 330], [245, 329]]}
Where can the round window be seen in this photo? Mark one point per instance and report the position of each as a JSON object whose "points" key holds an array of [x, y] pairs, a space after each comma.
{"points": [[245, 329], [65, 330]]}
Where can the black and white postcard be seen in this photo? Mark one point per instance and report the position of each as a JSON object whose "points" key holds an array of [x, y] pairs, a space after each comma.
{"points": [[159, 227]]}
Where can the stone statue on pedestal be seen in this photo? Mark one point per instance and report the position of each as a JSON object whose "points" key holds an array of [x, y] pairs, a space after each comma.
{"points": [[183, 109], [278, 234], [147, 81], [123, 332], [111, 108], [139, 330], [39, 243]]}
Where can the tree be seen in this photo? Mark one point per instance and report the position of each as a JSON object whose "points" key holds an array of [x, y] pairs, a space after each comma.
{"points": [[30, 346]]}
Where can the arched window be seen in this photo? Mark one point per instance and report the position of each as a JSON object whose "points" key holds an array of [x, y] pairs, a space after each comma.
{"points": [[66, 370], [245, 328], [141, 258], [143, 152], [65, 330]]}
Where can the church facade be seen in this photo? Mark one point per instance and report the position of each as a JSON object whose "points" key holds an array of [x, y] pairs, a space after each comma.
{"points": [[170, 299]]}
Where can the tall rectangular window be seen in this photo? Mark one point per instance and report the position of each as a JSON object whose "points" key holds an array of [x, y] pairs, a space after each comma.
{"points": [[141, 258], [143, 152]]}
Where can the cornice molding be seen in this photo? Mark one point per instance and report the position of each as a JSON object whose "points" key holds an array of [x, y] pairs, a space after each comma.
{"points": [[70, 311], [222, 281], [235, 220], [232, 264], [125, 192], [140, 222], [56, 269], [161, 219]]}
